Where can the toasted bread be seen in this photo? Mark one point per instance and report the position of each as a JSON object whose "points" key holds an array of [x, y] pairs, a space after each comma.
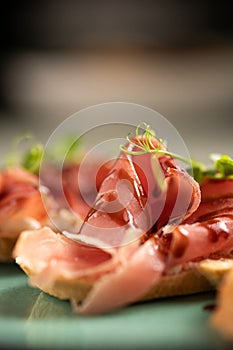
{"points": [[6, 247], [199, 277]]}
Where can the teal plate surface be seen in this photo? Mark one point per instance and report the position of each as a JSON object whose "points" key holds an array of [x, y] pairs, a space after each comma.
{"points": [[31, 319]]}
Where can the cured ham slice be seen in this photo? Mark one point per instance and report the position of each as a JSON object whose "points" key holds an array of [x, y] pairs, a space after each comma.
{"points": [[119, 206], [60, 258], [216, 200], [20, 196], [216, 188], [21, 207], [180, 194], [66, 264], [137, 195], [74, 189], [209, 229], [199, 240], [128, 283]]}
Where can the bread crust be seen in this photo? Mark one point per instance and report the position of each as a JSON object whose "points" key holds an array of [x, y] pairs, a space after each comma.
{"points": [[6, 248], [10, 231], [189, 278], [183, 283]]}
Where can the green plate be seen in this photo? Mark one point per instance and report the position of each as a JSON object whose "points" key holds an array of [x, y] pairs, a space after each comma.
{"points": [[32, 319]]}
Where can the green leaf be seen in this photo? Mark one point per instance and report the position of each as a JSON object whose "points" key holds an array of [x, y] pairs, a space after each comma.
{"points": [[197, 170], [224, 166], [14, 158], [30, 155], [32, 158]]}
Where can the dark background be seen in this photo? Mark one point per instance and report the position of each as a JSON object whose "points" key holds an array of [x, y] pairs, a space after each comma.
{"points": [[174, 56]]}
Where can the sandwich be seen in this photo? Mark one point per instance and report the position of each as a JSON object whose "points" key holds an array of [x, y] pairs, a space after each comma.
{"points": [[154, 230]]}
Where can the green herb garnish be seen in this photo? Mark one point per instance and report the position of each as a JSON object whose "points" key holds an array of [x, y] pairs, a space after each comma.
{"points": [[223, 164], [27, 158], [222, 168], [30, 157], [145, 144], [197, 170]]}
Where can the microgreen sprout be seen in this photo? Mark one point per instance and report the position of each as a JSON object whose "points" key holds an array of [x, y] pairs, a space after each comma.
{"points": [[144, 144]]}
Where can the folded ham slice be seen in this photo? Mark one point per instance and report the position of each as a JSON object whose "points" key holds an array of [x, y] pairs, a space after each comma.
{"points": [[71, 188], [142, 192], [216, 200], [65, 265], [209, 230], [20, 196], [21, 207], [128, 283], [60, 257], [200, 240]]}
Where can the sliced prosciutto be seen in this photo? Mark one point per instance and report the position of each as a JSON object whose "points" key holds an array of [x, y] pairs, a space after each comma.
{"points": [[199, 240], [209, 230], [119, 206], [177, 198], [51, 258], [140, 192], [20, 196], [126, 284], [64, 266], [21, 207], [71, 188], [216, 199]]}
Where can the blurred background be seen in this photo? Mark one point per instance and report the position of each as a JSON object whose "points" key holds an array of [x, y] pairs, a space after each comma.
{"points": [[175, 56]]}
